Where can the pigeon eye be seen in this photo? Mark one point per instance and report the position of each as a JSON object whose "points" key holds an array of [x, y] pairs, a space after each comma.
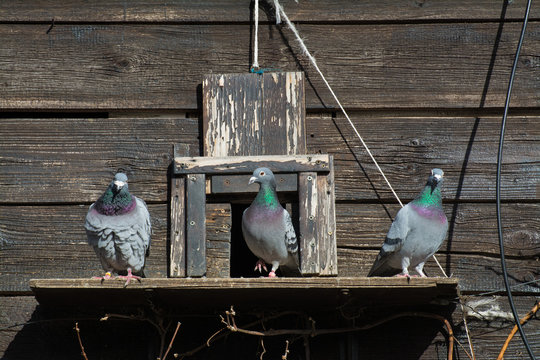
{"points": [[262, 173]]}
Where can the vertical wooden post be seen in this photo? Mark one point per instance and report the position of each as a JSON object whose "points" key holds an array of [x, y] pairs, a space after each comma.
{"points": [[196, 225], [177, 266], [308, 204], [326, 223]]}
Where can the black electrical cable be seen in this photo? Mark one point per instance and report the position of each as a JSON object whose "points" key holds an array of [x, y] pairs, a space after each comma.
{"points": [[498, 185]]}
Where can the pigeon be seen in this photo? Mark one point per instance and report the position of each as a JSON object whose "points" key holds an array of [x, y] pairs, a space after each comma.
{"points": [[268, 229], [118, 228], [417, 232]]}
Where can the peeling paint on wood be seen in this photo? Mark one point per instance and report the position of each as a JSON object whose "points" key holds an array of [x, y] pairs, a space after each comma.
{"points": [[195, 225], [308, 216], [254, 114], [177, 265], [246, 164]]}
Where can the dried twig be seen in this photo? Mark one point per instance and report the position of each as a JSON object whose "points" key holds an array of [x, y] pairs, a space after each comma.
{"points": [[80, 341], [514, 330], [284, 356], [172, 340], [162, 330], [264, 349], [230, 325], [469, 339], [220, 334]]}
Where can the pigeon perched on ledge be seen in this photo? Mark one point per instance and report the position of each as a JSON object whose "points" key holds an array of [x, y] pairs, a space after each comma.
{"points": [[118, 228], [417, 232], [268, 229]]}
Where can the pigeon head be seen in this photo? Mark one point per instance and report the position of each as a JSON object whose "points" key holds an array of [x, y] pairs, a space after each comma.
{"points": [[263, 176], [435, 178], [116, 200], [119, 182]]}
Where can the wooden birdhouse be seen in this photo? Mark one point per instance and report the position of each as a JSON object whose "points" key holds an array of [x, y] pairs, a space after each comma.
{"points": [[249, 121]]}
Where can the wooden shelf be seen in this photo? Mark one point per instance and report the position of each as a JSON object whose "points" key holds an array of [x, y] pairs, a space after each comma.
{"points": [[221, 293]]}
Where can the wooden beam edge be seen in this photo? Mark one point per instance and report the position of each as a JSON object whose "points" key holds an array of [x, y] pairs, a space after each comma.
{"points": [[247, 283], [246, 164]]}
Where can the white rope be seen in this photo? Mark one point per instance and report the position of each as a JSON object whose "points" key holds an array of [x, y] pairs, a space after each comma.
{"points": [[279, 9], [314, 62], [256, 41]]}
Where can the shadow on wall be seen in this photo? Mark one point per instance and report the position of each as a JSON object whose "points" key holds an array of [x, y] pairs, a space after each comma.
{"points": [[51, 334]]}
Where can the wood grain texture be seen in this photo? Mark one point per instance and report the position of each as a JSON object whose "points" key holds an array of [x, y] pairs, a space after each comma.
{"points": [[254, 114], [51, 242], [226, 184], [326, 222], [35, 153], [407, 148], [218, 240], [246, 164], [195, 225], [473, 227], [308, 211], [73, 160], [239, 11], [110, 66], [477, 273], [177, 262]]}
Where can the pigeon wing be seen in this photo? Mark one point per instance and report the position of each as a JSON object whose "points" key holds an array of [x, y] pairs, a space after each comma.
{"points": [[290, 235], [392, 244]]}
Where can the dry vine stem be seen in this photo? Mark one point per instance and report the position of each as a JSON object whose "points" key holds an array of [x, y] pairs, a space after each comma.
{"points": [[230, 325], [284, 356], [172, 340], [80, 341], [514, 330]]}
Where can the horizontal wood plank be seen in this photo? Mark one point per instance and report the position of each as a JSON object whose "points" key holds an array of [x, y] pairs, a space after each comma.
{"points": [[407, 148], [51, 242], [247, 164], [473, 228], [111, 66], [226, 184], [73, 160], [239, 11], [476, 273]]}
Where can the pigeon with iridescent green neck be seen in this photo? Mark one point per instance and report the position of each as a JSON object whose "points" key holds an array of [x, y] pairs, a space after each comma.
{"points": [[118, 228], [268, 229], [417, 232]]}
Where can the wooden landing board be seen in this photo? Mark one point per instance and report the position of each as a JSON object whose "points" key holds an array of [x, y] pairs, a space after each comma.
{"points": [[246, 164], [196, 293]]}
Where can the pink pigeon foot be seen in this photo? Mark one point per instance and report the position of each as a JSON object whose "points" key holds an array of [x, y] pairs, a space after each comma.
{"points": [[107, 276], [260, 265], [129, 276], [404, 275], [272, 274]]}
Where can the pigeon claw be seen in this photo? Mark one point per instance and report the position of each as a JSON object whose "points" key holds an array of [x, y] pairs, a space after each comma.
{"points": [[404, 275], [272, 274], [260, 265], [128, 277]]}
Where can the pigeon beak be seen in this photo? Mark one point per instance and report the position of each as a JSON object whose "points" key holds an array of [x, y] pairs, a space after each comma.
{"points": [[118, 185], [252, 180]]}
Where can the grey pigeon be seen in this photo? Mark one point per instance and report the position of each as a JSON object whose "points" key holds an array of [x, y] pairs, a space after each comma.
{"points": [[417, 232], [118, 228], [268, 229]]}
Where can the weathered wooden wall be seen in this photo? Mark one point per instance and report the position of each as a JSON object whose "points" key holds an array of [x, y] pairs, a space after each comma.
{"points": [[114, 85]]}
